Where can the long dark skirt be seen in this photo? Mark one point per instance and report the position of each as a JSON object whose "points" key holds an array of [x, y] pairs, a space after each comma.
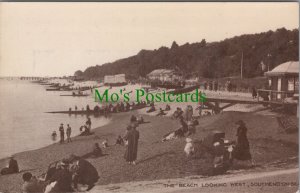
{"points": [[131, 153], [242, 150]]}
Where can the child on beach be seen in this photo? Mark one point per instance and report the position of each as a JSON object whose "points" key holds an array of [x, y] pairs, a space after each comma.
{"points": [[97, 151], [119, 141], [54, 135], [105, 143]]}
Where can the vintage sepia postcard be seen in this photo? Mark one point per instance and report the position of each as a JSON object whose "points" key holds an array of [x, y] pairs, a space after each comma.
{"points": [[155, 97]]}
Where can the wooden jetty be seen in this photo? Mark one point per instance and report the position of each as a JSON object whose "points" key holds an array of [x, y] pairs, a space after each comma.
{"points": [[92, 112], [79, 112]]}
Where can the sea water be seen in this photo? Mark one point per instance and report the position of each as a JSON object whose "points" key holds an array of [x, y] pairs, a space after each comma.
{"points": [[24, 125]]}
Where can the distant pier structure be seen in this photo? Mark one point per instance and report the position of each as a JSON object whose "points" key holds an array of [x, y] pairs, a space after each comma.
{"points": [[33, 78]]}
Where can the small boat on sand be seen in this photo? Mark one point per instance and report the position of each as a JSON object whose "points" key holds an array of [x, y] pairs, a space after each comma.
{"points": [[52, 89], [75, 95]]}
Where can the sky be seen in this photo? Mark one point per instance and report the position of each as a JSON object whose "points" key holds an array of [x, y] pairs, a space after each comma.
{"points": [[56, 39]]}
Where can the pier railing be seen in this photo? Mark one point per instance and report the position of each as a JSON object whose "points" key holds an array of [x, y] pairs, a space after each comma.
{"points": [[273, 95]]}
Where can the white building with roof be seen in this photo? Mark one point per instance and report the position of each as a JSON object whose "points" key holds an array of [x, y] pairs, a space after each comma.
{"points": [[284, 80]]}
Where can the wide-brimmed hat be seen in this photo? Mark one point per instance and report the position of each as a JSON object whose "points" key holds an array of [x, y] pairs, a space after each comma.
{"points": [[240, 122]]}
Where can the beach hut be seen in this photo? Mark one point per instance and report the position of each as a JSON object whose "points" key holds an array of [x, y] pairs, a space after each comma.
{"points": [[283, 81]]}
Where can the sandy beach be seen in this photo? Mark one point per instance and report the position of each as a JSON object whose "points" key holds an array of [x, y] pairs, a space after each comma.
{"points": [[158, 160]]}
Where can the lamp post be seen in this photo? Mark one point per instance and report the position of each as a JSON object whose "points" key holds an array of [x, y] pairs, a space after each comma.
{"points": [[242, 60]]}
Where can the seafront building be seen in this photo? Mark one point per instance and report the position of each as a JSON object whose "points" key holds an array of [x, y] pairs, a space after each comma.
{"points": [[284, 81], [165, 75]]}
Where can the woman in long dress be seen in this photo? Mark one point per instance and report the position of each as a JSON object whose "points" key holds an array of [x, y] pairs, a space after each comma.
{"points": [[242, 148], [132, 137]]}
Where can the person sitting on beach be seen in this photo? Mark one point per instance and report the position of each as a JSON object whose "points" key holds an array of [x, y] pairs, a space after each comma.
{"points": [[168, 108], [61, 180], [152, 108], [54, 135], [191, 128], [188, 114], [127, 107], [111, 107], [132, 106], [88, 108], [105, 110], [133, 119], [84, 131], [184, 125], [84, 172], [97, 151], [105, 143], [177, 113], [96, 109], [115, 109], [173, 135], [161, 112], [12, 168], [140, 120], [168, 136], [143, 104], [31, 184], [119, 141], [122, 107]]}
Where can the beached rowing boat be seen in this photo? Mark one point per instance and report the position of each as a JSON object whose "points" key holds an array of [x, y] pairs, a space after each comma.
{"points": [[52, 89], [76, 95]]}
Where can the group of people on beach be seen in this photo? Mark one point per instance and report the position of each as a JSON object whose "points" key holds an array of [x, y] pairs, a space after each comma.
{"points": [[62, 133], [105, 109], [223, 151], [84, 130], [63, 177], [67, 174]]}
